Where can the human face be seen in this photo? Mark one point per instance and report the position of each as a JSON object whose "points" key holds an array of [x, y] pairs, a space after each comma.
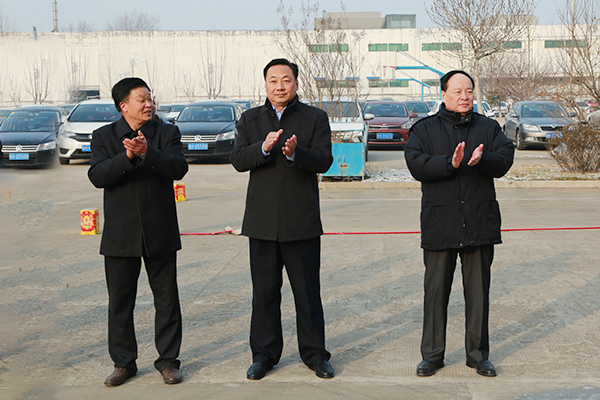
{"points": [[281, 86], [137, 109], [458, 96]]}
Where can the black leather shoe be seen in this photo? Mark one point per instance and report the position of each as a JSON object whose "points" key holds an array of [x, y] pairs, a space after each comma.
{"points": [[119, 376], [484, 368], [428, 368], [323, 369], [258, 370]]}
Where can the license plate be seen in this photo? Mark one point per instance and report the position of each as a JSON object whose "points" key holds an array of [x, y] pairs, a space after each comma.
{"points": [[553, 135], [86, 148], [18, 156], [197, 146], [385, 136]]}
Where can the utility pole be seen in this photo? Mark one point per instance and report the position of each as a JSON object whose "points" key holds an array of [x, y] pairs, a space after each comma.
{"points": [[55, 14]]}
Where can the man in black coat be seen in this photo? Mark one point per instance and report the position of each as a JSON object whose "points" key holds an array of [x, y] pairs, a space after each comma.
{"points": [[456, 154], [284, 144], [135, 161]]}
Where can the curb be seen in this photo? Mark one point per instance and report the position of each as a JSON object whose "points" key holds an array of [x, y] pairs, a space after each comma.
{"points": [[566, 184]]}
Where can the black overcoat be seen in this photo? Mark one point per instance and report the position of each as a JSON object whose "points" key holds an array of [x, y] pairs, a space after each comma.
{"points": [[282, 202], [139, 201], [459, 206]]}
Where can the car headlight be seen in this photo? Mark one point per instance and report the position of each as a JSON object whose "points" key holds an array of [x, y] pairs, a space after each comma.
{"points": [[67, 134], [533, 128], [226, 135], [347, 136], [406, 125], [47, 146]]}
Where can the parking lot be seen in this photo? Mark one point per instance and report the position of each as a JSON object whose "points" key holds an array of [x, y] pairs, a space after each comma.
{"points": [[545, 308]]}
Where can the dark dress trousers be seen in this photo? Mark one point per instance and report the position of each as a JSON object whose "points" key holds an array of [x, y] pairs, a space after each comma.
{"points": [[282, 220], [460, 217], [140, 222]]}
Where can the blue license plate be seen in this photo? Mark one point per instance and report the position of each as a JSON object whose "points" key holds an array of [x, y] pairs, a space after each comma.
{"points": [[553, 135], [385, 136], [86, 148], [18, 156], [197, 146]]}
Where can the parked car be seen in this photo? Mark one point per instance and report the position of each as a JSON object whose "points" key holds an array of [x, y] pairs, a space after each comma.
{"points": [[390, 123], [532, 123], [4, 113], [75, 135], [487, 110], [208, 128], [420, 108], [246, 104], [594, 117], [168, 113], [28, 136]]}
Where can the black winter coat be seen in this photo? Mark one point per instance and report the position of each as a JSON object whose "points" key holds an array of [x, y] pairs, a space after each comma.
{"points": [[139, 201], [282, 202], [459, 206]]}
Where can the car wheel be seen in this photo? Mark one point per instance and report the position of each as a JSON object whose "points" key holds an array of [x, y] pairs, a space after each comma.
{"points": [[63, 161], [520, 145]]}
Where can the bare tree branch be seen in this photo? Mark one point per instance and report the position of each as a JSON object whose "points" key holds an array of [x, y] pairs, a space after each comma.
{"points": [[484, 27], [133, 21]]}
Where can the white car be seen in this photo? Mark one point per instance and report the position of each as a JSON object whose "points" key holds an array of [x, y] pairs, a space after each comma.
{"points": [[75, 135], [487, 110]]}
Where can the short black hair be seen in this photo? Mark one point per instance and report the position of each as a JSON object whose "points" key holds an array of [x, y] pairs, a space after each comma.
{"points": [[444, 79], [121, 90], [281, 61]]}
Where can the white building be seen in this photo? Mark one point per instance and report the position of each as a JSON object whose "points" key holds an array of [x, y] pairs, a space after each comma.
{"points": [[186, 65]]}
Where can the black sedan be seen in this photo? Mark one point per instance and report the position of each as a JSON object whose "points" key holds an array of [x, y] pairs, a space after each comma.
{"points": [[28, 136], [208, 128]]}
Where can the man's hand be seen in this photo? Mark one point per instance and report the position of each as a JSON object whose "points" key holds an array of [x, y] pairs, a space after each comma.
{"points": [[290, 146], [270, 141], [476, 157], [459, 154], [136, 146]]}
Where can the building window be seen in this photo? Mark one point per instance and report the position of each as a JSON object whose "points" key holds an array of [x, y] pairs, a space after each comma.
{"points": [[398, 46], [452, 46], [559, 44], [515, 44], [325, 83], [432, 46], [399, 83], [378, 47], [318, 48], [337, 48], [431, 82]]}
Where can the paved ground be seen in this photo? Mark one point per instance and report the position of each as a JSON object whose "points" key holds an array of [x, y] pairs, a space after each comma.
{"points": [[545, 307]]}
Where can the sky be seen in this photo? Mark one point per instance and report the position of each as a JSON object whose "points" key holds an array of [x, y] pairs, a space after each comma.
{"points": [[209, 14]]}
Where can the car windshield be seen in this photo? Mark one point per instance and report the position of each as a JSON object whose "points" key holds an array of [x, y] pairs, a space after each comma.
{"points": [[31, 121], [417, 107], [94, 113], [4, 113], [177, 107], [387, 110], [339, 109], [547, 110], [206, 114]]}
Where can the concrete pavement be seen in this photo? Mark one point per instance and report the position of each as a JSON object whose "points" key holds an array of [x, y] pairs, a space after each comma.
{"points": [[545, 308]]}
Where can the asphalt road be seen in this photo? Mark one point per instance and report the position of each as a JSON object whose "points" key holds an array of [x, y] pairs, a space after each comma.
{"points": [[545, 308]]}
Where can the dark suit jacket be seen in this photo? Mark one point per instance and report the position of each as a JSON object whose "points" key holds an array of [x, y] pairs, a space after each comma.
{"points": [[282, 202], [139, 201]]}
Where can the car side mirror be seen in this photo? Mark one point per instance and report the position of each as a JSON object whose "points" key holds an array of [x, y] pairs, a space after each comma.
{"points": [[369, 116], [572, 114]]}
